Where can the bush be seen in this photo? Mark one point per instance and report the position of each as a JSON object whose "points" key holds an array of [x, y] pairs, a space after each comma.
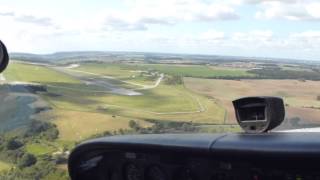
{"points": [[174, 80], [51, 134], [27, 160], [61, 159], [11, 156], [13, 144], [44, 129], [134, 125], [295, 121]]}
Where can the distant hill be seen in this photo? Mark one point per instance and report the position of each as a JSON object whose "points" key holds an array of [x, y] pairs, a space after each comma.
{"points": [[63, 56], [76, 56]]}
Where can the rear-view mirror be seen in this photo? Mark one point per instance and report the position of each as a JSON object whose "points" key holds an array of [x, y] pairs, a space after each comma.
{"points": [[4, 57]]}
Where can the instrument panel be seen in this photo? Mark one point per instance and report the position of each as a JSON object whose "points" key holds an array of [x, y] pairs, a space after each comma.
{"points": [[199, 157], [150, 166]]}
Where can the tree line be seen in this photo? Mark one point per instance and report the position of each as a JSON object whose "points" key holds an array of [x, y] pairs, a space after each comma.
{"points": [[27, 165]]}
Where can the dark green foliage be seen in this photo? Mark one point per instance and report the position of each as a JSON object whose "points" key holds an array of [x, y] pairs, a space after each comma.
{"points": [[134, 125], [11, 156], [37, 127], [43, 129], [41, 170], [60, 159], [164, 127], [29, 166], [27, 160], [51, 134], [174, 80], [12, 144], [159, 126], [103, 134], [278, 73]]}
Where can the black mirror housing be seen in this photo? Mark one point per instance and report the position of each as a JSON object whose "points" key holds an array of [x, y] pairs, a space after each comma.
{"points": [[4, 57], [259, 114]]}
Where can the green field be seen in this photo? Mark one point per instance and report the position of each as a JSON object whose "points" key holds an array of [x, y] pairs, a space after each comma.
{"points": [[124, 72], [108, 69], [40, 148], [202, 71], [36, 74], [81, 110], [165, 102], [4, 166], [131, 71], [82, 106]]}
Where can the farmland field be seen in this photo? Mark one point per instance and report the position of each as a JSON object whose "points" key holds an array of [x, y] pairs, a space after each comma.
{"points": [[40, 148], [4, 166], [201, 71], [299, 96], [83, 104], [34, 73], [61, 104], [81, 110]]}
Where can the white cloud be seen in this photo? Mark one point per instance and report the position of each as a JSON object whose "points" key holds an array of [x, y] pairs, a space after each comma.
{"points": [[6, 13], [41, 21], [142, 13], [296, 10], [314, 10], [212, 35], [26, 17], [118, 24], [307, 34], [255, 37], [267, 1], [167, 26], [303, 45]]}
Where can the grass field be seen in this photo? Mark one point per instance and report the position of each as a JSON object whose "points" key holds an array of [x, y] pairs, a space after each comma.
{"points": [[40, 149], [128, 73], [4, 166], [77, 125], [129, 70], [201, 71], [164, 102], [108, 69], [81, 110], [297, 94], [36, 74]]}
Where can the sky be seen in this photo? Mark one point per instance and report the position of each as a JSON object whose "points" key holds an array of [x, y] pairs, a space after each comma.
{"points": [[255, 28]]}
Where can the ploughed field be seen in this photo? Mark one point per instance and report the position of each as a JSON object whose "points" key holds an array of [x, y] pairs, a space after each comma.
{"points": [[301, 97]]}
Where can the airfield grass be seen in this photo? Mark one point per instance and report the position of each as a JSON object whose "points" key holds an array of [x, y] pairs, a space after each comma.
{"points": [[143, 80], [4, 166], [39, 149], [163, 103], [18, 71], [131, 71], [201, 71], [108, 69], [164, 98], [120, 71], [78, 125], [212, 113], [37, 74], [79, 111]]}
